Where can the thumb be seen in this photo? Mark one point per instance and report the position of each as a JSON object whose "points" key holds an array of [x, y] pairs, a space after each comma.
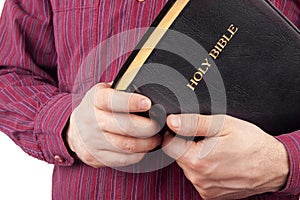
{"points": [[196, 125]]}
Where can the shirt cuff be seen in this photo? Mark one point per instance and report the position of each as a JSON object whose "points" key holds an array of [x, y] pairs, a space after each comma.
{"points": [[291, 142], [49, 128]]}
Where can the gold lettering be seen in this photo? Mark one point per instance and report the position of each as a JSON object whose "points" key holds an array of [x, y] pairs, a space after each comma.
{"points": [[192, 85], [198, 76], [226, 38], [202, 71], [214, 54], [218, 48], [222, 43], [206, 63], [232, 29]]}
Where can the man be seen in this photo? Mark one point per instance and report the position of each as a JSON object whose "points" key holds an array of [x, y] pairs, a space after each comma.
{"points": [[44, 46]]}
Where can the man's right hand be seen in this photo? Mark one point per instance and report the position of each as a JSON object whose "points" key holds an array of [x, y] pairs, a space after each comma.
{"points": [[102, 132]]}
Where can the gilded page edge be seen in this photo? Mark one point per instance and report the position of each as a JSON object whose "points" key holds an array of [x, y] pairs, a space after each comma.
{"points": [[150, 44]]}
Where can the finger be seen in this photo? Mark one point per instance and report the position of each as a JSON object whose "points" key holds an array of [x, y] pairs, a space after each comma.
{"points": [[116, 159], [177, 148], [196, 125], [125, 144], [185, 152], [118, 101], [127, 124]]}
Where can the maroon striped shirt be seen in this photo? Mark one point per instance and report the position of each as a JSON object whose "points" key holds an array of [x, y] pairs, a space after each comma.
{"points": [[43, 49]]}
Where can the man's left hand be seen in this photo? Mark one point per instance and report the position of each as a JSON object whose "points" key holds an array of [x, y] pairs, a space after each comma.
{"points": [[235, 160]]}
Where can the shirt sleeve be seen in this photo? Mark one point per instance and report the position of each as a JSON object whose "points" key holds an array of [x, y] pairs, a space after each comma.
{"points": [[291, 141], [290, 9], [292, 144], [33, 111]]}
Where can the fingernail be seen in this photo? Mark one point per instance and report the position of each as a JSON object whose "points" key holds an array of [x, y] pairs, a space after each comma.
{"points": [[145, 104], [175, 121]]}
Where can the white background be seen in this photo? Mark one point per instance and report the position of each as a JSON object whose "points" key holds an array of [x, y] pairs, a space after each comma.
{"points": [[22, 176]]}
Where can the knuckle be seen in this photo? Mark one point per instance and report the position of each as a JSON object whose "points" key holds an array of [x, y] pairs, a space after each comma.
{"points": [[102, 125], [103, 122], [87, 158], [189, 126], [202, 122], [99, 117], [102, 98], [128, 145], [194, 163]]}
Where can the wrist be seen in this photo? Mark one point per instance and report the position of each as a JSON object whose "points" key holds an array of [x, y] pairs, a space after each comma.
{"points": [[279, 166]]}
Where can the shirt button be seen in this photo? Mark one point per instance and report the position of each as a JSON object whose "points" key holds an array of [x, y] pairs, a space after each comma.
{"points": [[140, 0], [59, 159]]}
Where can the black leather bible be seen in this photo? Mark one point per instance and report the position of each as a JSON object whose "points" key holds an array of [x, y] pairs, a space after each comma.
{"points": [[235, 57]]}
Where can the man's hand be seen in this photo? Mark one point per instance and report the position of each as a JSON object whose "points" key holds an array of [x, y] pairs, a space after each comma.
{"points": [[235, 160], [102, 132]]}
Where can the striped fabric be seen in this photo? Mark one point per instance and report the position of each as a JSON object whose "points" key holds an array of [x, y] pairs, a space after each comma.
{"points": [[46, 57]]}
